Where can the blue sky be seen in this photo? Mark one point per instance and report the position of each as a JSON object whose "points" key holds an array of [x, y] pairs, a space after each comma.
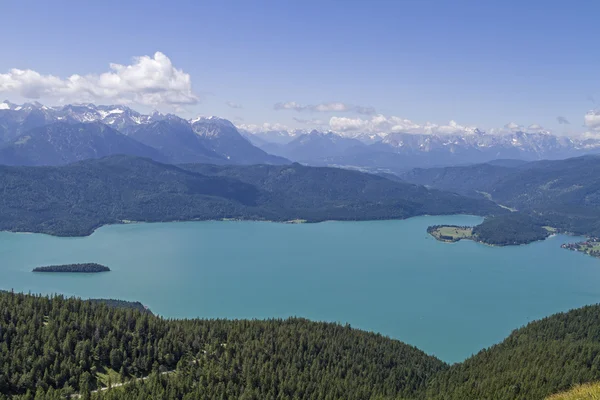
{"points": [[480, 63]]}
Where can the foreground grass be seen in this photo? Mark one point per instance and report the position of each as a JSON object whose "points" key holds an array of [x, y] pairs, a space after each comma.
{"points": [[108, 375], [589, 391]]}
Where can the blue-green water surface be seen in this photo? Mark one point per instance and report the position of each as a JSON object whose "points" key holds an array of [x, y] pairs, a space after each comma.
{"points": [[450, 300]]}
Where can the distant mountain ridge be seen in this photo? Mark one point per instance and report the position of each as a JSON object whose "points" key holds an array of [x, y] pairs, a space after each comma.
{"points": [[63, 143], [26, 136], [222, 142], [400, 152]]}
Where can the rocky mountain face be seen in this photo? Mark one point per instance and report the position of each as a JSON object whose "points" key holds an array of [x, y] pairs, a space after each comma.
{"points": [[62, 143], [34, 134], [222, 137]]}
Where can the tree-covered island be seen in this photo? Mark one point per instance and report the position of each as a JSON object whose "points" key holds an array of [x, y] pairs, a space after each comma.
{"points": [[83, 268]]}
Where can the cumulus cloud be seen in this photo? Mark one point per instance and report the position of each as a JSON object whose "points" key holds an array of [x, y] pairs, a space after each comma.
{"points": [[382, 124], [324, 107], [233, 105], [266, 127], [535, 128], [315, 122], [151, 81], [592, 120], [562, 120], [513, 127]]}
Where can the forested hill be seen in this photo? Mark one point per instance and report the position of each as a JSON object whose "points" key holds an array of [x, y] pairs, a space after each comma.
{"points": [[544, 357], [75, 199], [543, 185], [55, 347], [51, 348], [562, 193]]}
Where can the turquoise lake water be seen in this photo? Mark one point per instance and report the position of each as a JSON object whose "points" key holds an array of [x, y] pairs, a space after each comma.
{"points": [[450, 300]]}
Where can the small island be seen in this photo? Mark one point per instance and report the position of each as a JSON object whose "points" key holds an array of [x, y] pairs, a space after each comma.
{"points": [[590, 247], [451, 233], [88, 268]]}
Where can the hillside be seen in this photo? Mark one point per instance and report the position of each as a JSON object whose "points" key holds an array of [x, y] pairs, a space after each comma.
{"points": [[75, 199], [589, 391], [77, 342], [318, 194], [84, 345], [562, 193], [535, 361]]}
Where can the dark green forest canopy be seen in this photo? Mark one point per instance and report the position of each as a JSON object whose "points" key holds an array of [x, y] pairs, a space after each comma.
{"points": [[52, 347], [564, 194], [80, 268], [75, 199], [62, 343], [545, 357], [511, 229]]}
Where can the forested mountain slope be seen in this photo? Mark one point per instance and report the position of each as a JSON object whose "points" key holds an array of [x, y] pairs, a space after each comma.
{"points": [[562, 193], [77, 198], [53, 347], [63, 344], [542, 358], [321, 191]]}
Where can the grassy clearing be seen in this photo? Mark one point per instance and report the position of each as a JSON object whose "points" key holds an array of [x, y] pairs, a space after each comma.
{"points": [[448, 233], [582, 392], [106, 374], [549, 229]]}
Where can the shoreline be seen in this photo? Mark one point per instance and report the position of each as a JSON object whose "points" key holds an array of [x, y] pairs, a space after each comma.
{"points": [[552, 232], [298, 221]]}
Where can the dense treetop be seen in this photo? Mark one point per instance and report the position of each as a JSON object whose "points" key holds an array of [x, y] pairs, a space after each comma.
{"points": [[51, 347], [67, 344]]}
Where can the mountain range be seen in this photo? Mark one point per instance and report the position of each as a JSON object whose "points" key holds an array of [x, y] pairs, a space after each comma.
{"points": [[33, 134], [400, 152]]}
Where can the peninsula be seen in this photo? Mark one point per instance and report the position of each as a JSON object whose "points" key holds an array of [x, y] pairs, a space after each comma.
{"points": [[502, 230], [590, 247], [83, 268], [451, 233]]}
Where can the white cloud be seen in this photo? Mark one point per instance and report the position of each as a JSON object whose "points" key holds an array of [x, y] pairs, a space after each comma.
{"points": [[382, 124], [324, 107], [266, 127], [233, 105], [513, 127], [151, 81], [535, 128], [315, 122], [592, 120]]}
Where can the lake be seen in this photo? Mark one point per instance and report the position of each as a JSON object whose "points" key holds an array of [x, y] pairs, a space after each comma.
{"points": [[450, 300]]}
